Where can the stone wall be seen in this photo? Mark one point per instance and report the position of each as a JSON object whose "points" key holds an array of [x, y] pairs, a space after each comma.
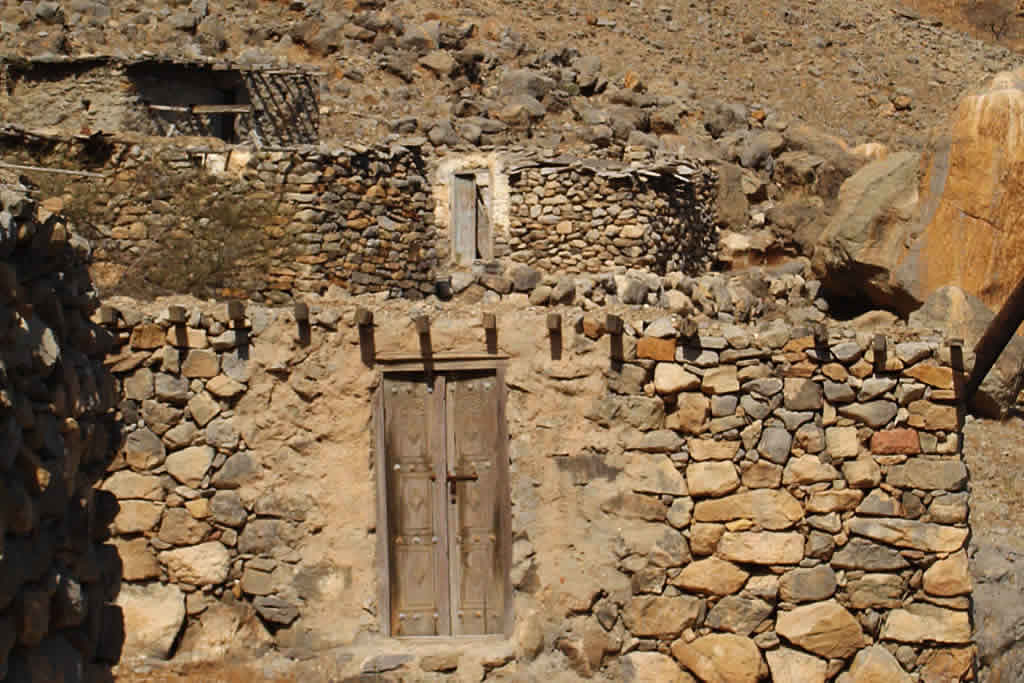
{"points": [[587, 218], [57, 435], [93, 94], [215, 220], [747, 500]]}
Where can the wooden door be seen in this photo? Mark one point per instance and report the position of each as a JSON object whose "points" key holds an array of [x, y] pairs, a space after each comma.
{"points": [[475, 505], [445, 490], [414, 464]]}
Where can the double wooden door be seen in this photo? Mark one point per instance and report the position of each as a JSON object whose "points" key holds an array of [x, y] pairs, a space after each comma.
{"points": [[445, 480]]}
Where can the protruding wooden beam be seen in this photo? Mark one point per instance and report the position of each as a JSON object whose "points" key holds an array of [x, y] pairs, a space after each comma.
{"points": [[364, 317], [236, 311], [301, 312], [490, 322], [555, 322], [177, 314], [820, 334], [879, 348], [109, 316], [422, 324], [613, 324], [688, 328]]}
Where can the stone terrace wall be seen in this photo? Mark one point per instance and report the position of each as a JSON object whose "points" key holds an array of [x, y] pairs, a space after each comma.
{"points": [[57, 435], [270, 225], [737, 503], [588, 218]]}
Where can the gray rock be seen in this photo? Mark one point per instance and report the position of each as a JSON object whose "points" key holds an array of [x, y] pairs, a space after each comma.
{"points": [[775, 444], [221, 434], [874, 413], [758, 410], [929, 474], [802, 394], [236, 471], [847, 352], [172, 389], [564, 291], [760, 148], [808, 585], [860, 553], [839, 392], [226, 508], [525, 278], [276, 610], [874, 387], [634, 292], [525, 82], [736, 614]]}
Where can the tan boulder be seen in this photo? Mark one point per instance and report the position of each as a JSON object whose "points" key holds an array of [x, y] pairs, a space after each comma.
{"points": [[875, 664], [707, 449], [658, 616], [908, 533], [721, 658], [671, 378], [643, 667], [711, 478], [949, 577], [711, 575], [152, 616], [793, 666], [768, 508], [866, 241], [970, 213], [920, 623], [825, 628], [761, 547]]}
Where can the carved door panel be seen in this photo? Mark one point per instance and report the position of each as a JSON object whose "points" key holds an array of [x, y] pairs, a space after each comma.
{"points": [[475, 505], [414, 435], [447, 504]]}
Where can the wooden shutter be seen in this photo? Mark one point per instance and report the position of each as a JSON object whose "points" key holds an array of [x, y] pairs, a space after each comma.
{"points": [[476, 519], [464, 218], [414, 445]]}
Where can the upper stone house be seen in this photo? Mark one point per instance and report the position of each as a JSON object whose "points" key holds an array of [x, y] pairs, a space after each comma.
{"points": [[162, 96]]}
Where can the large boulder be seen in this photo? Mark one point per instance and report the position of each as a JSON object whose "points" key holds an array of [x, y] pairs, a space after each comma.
{"points": [[153, 615], [865, 243], [971, 210], [962, 315]]}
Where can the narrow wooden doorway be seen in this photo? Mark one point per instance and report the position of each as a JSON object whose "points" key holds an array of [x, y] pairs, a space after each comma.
{"points": [[443, 482], [471, 224]]}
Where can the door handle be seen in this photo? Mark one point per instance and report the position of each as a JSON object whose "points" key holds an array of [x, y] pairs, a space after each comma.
{"points": [[454, 478]]}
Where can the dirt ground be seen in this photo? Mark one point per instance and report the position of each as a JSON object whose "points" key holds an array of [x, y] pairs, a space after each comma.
{"points": [[994, 454]]}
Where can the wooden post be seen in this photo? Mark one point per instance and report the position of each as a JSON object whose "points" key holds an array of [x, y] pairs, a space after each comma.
{"points": [[177, 315], [997, 335], [302, 320], [490, 323], [878, 346], [555, 335], [108, 316], [236, 312], [688, 328], [367, 343], [613, 324]]}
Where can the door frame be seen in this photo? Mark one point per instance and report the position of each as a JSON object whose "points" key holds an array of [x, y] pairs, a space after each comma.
{"points": [[429, 368]]}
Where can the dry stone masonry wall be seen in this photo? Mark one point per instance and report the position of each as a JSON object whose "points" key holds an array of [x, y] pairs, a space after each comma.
{"points": [[273, 225], [769, 499], [57, 435], [809, 510], [584, 218]]}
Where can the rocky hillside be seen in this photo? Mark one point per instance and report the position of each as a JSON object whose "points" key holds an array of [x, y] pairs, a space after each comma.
{"points": [[866, 71]]}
